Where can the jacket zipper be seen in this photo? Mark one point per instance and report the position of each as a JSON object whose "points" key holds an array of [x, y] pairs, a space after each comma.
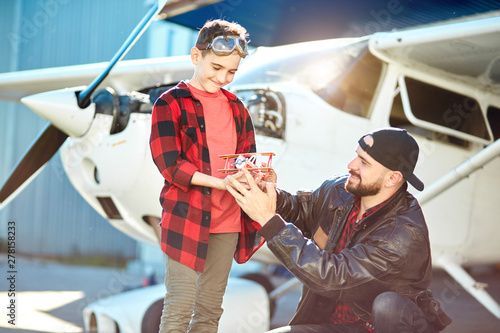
{"points": [[334, 234]]}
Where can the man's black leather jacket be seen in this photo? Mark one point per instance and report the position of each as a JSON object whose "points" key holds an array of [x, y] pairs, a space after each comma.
{"points": [[388, 251]]}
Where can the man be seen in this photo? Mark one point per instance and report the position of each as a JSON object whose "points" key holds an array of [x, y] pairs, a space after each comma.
{"points": [[358, 243]]}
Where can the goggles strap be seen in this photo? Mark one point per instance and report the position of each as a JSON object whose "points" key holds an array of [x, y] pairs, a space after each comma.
{"points": [[203, 46]]}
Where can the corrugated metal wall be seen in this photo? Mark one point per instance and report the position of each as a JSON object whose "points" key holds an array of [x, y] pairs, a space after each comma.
{"points": [[51, 217]]}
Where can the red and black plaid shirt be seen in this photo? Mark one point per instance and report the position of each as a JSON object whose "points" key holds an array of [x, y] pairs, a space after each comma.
{"points": [[343, 313], [179, 148]]}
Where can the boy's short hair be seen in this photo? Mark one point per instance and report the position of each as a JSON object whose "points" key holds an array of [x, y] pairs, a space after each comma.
{"points": [[216, 28]]}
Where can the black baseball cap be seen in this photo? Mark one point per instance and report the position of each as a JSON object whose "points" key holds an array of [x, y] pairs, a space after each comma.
{"points": [[395, 149]]}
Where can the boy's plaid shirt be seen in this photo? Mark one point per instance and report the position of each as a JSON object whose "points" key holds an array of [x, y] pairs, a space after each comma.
{"points": [[179, 148]]}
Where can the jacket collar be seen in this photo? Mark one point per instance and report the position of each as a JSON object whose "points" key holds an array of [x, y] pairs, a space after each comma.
{"points": [[346, 199]]}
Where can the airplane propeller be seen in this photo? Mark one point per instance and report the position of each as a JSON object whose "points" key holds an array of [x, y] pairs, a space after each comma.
{"points": [[84, 96], [42, 150], [68, 110]]}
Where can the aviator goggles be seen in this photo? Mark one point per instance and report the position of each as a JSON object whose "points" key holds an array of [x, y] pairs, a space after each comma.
{"points": [[223, 46]]}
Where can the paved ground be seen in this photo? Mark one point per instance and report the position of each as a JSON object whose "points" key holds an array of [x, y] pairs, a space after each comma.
{"points": [[51, 296]]}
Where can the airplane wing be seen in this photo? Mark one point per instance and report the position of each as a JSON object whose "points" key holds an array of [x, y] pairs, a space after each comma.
{"points": [[127, 76], [468, 50], [280, 22]]}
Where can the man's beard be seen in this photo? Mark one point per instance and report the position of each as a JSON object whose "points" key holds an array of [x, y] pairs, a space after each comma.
{"points": [[364, 190]]}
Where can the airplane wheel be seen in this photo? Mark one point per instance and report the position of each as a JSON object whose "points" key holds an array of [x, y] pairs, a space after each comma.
{"points": [[152, 317], [267, 284]]}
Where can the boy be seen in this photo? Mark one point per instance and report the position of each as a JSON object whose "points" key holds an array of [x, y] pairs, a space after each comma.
{"points": [[202, 226]]}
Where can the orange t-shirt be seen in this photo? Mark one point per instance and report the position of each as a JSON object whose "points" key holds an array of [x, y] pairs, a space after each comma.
{"points": [[221, 139]]}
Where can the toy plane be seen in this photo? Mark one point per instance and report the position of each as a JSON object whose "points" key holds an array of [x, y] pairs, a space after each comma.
{"points": [[248, 161]]}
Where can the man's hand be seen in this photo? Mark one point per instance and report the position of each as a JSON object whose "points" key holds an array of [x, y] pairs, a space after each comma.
{"points": [[259, 205]]}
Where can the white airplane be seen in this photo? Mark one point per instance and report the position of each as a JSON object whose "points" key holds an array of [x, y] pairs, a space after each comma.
{"points": [[310, 103]]}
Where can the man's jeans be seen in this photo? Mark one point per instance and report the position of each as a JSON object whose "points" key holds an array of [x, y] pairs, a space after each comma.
{"points": [[392, 313]]}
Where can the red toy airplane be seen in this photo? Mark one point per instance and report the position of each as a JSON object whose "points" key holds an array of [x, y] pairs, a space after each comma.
{"points": [[248, 161]]}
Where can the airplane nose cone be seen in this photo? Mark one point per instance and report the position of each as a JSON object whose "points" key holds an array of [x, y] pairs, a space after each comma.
{"points": [[60, 108]]}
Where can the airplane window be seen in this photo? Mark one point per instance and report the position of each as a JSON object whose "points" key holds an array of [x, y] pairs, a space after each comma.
{"points": [[494, 120], [344, 75], [314, 66], [446, 108], [399, 119], [353, 92]]}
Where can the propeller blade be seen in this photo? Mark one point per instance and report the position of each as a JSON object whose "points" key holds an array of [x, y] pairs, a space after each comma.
{"points": [[161, 9], [84, 97], [41, 151]]}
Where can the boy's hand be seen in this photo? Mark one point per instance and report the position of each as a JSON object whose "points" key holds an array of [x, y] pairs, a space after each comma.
{"points": [[239, 176]]}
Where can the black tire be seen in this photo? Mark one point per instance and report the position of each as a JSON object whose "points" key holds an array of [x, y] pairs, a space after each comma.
{"points": [[264, 281], [152, 318]]}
